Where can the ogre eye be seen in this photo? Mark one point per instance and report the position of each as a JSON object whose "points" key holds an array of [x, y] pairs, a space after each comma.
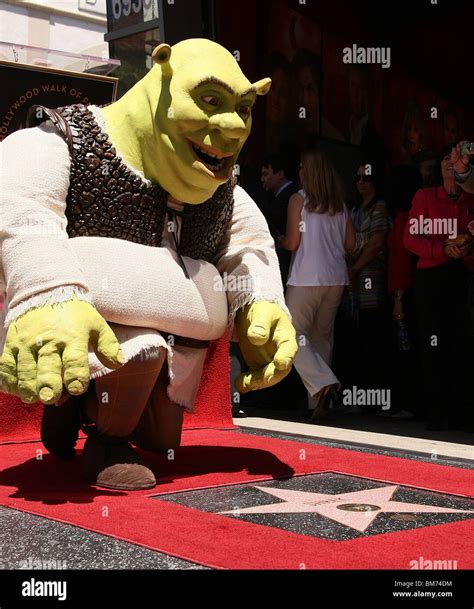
{"points": [[212, 100]]}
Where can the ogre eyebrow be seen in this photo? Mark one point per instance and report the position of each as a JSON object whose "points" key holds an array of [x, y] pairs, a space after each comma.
{"points": [[216, 81]]}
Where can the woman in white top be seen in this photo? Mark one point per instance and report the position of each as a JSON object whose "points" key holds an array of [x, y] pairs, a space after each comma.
{"points": [[319, 232]]}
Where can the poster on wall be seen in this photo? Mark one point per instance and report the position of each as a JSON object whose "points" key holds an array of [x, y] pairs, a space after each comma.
{"points": [[453, 125], [410, 125], [352, 100], [26, 85], [293, 52], [352, 97]]}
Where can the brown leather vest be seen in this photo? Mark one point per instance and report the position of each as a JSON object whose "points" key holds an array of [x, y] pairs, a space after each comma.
{"points": [[107, 199]]}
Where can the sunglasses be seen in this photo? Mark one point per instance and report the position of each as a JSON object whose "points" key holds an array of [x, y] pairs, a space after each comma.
{"points": [[358, 178]]}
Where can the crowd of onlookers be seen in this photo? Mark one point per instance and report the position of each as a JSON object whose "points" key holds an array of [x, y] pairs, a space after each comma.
{"points": [[380, 286]]}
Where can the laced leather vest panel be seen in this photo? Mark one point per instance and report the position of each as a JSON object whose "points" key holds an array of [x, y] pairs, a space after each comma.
{"points": [[107, 199]]}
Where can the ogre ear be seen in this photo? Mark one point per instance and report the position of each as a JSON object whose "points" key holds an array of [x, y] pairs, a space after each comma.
{"points": [[263, 86], [161, 55]]}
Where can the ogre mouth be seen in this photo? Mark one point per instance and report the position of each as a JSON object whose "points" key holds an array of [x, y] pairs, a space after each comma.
{"points": [[214, 162]]}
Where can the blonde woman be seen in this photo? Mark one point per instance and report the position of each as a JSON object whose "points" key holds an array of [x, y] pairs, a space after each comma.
{"points": [[319, 232]]}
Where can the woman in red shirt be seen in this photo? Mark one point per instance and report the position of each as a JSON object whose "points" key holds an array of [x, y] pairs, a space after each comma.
{"points": [[441, 279]]}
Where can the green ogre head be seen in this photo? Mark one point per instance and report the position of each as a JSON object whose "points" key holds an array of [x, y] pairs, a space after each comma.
{"points": [[186, 121]]}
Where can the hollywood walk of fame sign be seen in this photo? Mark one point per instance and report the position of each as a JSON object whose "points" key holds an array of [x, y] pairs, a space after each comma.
{"points": [[329, 505]]}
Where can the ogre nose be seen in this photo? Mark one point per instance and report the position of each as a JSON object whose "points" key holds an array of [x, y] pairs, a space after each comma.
{"points": [[230, 124]]}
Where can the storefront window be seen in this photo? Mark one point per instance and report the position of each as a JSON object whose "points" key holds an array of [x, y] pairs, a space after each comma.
{"points": [[134, 53]]}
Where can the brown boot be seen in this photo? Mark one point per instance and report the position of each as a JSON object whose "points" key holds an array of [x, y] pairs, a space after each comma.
{"points": [[112, 463]]}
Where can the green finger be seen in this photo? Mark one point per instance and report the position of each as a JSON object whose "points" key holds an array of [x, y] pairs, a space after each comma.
{"points": [[27, 372], [259, 379], [6, 386], [49, 380], [8, 372], [76, 374], [285, 354], [108, 348], [285, 339], [259, 330]]}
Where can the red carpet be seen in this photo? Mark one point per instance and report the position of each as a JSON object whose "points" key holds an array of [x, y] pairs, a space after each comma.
{"points": [[210, 458], [20, 422]]}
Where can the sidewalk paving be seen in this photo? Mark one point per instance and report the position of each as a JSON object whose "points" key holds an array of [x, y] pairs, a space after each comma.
{"points": [[363, 429]]}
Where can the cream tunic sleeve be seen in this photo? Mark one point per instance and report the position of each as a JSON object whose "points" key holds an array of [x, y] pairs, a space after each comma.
{"points": [[36, 258], [128, 283], [247, 258]]}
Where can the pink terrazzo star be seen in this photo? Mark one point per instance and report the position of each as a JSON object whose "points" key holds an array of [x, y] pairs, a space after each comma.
{"points": [[372, 502]]}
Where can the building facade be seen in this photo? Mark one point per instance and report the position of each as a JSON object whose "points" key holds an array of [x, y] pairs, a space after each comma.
{"points": [[71, 26]]}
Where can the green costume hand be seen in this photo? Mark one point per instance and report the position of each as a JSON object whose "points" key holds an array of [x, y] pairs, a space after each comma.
{"points": [[53, 338], [268, 344]]}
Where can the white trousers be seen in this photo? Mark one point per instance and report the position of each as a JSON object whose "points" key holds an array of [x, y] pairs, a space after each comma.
{"points": [[313, 310]]}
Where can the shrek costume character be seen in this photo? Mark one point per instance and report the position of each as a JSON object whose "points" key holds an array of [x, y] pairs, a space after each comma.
{"points": [[130, 214]]}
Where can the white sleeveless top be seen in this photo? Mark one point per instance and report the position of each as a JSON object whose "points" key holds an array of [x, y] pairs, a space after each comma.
{"points": [[320, 257]]}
